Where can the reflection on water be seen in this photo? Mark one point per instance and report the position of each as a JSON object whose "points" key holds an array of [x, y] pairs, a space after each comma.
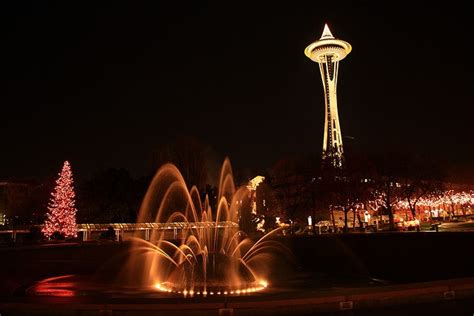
{"points": [[61, 286], [77, 286]]}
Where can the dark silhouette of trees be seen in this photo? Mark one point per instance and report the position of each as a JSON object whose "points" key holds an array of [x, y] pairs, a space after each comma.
{"points": [[387, 186], [291, 180], [347, 193], [347, 188], [24, 202], [421, 178], [191, 157], [109, 196]]}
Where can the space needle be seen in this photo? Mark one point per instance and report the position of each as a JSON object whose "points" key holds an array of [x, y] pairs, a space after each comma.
{"points": [[327, 52]]}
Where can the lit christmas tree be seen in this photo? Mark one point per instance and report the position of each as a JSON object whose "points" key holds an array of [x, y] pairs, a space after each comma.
{"points": [[61, 218]]}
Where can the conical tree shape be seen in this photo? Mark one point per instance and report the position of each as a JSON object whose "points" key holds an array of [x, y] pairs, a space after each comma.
{"points": [[61, 218]]}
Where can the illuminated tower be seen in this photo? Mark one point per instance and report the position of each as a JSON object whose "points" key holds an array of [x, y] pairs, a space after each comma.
{"points": [[327, 52]]}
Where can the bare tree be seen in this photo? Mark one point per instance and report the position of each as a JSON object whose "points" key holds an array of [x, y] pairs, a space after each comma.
{"points": [[414, 190], [347, 188], [421, 178], [291, 181], [387, 187]]}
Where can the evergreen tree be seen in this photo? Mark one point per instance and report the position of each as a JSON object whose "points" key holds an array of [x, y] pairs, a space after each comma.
{"points": [[61, 218]]}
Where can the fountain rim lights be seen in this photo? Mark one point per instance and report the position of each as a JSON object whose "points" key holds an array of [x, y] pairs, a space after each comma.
{"points": [[260, 286]]}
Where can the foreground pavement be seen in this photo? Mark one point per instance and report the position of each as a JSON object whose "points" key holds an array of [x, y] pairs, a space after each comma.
{"points": [[455, 297]]}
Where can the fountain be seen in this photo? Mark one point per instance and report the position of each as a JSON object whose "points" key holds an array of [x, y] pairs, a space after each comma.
{"points": [[196, 251], [211, 256]]}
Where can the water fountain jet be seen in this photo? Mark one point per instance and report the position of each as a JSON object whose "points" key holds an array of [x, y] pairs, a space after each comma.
{"points": [[211, 256]]}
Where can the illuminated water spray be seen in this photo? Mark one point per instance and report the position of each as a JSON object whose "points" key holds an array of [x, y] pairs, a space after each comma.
{"points": [[210, 255]]}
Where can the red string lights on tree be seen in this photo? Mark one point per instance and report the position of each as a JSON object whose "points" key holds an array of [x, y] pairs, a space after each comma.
{"points": [[61, 218]]}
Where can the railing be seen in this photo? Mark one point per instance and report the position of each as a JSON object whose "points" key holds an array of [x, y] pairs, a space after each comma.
{"points": [[156, 226], [87, 229]]}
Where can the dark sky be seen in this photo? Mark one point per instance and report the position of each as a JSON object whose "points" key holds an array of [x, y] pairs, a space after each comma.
{"points": [[104, 83]]}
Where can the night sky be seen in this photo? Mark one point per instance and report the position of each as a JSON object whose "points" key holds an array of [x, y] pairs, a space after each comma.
{"points": [[103, 84]]}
